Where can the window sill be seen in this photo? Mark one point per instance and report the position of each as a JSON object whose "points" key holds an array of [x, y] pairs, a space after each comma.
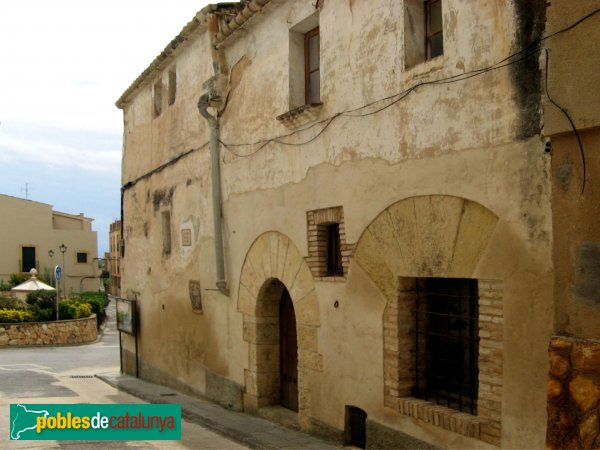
{"points": [[449, 419], [301, 115], [331, 278], [424, 68]]}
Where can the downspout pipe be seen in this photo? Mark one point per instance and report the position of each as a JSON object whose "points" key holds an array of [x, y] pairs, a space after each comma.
{"points": [[217, 204]]}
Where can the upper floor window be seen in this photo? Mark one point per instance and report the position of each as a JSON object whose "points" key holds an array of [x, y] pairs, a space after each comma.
{"points": [[305, 63], [166, 232], [434, 35], [27, 258], [423, 31], [157, 99], [312, 78], [82, 257], [172, 85]]}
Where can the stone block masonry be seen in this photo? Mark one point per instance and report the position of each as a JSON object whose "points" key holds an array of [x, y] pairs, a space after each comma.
{"points": [[78, 331], [573, 394]]}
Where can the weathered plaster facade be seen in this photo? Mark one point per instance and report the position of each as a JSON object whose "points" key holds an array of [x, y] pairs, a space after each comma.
{"points": [[113, 259], [448, 181], [572, 130]]}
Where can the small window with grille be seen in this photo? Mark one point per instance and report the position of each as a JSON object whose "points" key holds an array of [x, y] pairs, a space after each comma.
{"points": [[447, 342], [82, 257], [334, 251]]}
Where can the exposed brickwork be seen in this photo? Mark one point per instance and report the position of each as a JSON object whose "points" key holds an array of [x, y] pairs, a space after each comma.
{"points": [[317, 242], [491, 346], [399, 348], [573, 394]]}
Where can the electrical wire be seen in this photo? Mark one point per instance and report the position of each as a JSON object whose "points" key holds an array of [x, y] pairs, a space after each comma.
{"points": [[514, 58], [564, 111]]}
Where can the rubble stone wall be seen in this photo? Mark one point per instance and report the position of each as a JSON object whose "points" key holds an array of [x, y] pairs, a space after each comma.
{"points": [[76, 331], [574, 394]]}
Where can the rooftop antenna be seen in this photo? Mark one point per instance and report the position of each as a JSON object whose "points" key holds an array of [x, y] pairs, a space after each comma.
{"points": [[26, 190]]}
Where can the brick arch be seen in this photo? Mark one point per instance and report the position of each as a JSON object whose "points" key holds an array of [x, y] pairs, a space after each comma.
{"points": [[273, 263]]}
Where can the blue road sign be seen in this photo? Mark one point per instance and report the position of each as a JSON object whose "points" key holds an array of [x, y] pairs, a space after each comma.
{"points": [[57, 273]]}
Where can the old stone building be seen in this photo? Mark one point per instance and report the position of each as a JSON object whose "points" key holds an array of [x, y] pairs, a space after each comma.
{"points": [[340, 212], [113, 259]]}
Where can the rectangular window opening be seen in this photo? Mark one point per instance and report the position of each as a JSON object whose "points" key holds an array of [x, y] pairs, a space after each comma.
{"points": [[157, 99], [166, 231], [312, 85], [172, 85], [423, 31], [434, 37], [82, 257], [334, 251], [447, 342], [27, 259]]}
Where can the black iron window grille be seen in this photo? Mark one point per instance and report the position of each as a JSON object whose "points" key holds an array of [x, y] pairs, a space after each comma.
{"points": [[447, 342]]}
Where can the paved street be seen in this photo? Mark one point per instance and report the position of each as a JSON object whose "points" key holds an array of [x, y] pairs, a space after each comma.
{"points": [[66, 375]]}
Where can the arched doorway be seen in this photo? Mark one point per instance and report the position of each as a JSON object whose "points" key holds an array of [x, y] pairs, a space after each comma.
{"points": [[288, 353], [273, 268]]}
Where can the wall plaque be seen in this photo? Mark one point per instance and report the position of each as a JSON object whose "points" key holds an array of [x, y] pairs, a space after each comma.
{"points": [[186, 237], [196, 296]]}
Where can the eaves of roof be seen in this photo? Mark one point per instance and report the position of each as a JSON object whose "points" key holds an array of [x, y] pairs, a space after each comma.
{"points": [[231, 15]]}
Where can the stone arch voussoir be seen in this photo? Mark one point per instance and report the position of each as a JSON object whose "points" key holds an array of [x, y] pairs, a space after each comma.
{"points": [[425, 236], [272, 263]]}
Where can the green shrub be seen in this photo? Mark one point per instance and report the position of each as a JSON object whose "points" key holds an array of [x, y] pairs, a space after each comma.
{"points": [[4, 286], [97, 300], [74, 308], [16, 316], [67, 310], [83, 310], [42, 314], [17, 278], [42, 304], [42, 298], [11, 303], [102, 296]]}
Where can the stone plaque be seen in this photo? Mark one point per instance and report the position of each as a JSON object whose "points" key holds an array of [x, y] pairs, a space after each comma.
{"points": [[196, 296], [186, 237]]}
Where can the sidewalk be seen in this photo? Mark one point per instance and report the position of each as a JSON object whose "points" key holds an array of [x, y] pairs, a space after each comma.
{"points": [[248, 430]]}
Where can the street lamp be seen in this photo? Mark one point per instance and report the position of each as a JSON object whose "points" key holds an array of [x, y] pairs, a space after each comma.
{"points": [[63, 249], [51, 254]]}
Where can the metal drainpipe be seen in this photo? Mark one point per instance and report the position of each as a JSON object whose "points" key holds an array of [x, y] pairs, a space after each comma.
{"points": [[216, 191]]}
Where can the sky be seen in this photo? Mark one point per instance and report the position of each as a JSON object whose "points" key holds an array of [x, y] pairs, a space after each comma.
{"points": [[63, 65]]}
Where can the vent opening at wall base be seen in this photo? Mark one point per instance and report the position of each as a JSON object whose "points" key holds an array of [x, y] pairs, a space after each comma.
{"points": [[355, 431]]}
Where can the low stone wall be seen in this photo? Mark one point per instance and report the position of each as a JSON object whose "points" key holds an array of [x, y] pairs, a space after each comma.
{"points": [[76, 331], [574, 394]]}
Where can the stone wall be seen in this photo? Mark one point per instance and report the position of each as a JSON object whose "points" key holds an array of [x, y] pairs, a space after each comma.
{"points": [[574, 394], [76, 331]]}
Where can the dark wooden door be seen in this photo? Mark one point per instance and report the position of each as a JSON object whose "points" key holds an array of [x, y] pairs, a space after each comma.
{"points": [[288, 345]]}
